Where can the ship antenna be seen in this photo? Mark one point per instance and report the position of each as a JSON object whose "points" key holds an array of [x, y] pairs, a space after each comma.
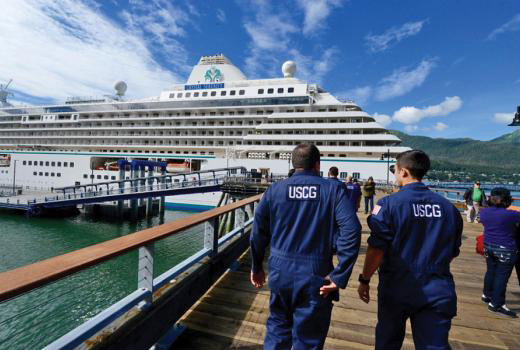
{"points": [[4, 93]]}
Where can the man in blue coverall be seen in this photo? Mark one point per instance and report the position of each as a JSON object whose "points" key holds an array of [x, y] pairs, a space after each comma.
{"points": [[297, 217], [415, 234], [353, 192]]}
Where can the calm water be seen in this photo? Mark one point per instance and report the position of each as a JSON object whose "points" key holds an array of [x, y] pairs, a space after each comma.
{"points": [[41, 316]]}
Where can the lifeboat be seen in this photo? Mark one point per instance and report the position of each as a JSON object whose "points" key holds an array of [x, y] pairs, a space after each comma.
{"points": [[178, 167], [112, 166], [5, 160]]}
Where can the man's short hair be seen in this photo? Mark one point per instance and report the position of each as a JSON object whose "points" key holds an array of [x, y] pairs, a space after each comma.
{"points": [[305, 156], [333, 171], [415, 161]]}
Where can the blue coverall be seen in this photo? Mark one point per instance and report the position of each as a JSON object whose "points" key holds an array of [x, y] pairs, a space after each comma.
{"points": [[420, 233], [353, 193], [298, 217]]}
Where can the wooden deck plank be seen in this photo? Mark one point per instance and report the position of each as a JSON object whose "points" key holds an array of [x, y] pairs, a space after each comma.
{"points": [[233, 313]]}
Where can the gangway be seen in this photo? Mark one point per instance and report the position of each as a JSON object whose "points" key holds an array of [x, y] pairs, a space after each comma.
{"points": [[151, 186]]}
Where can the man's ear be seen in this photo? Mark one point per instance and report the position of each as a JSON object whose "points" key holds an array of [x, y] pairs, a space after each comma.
{"points": [[317, 167]]}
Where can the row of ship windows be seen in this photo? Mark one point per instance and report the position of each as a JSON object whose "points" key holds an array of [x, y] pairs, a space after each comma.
{"points": [[41, 173], [42, 163], [209, 123], [188, 114], [231, 92], [100, 177]]}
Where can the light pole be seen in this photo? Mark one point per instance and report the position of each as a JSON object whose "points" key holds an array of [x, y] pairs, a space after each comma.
{"points": [[387, 167], [14, 178]]}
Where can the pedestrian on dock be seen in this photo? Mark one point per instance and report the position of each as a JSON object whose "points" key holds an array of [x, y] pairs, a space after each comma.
{"points": [[475, 198], [333, 173], [297, 217], [500, 249], [353, 192], [415, 234], [517, 265], [369, 190]]}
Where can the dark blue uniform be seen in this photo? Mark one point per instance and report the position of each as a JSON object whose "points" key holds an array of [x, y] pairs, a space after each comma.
{"points": [[420, 232], [353, 193], [298, 217]]}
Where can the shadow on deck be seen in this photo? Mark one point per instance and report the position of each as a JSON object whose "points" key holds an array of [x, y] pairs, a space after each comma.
{"points": [[232, 314]]}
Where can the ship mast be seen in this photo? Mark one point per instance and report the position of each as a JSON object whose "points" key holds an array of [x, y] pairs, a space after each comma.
{"points": [[4, 94]]}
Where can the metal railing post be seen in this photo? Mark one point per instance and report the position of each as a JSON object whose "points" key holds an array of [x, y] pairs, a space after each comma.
{"points": [[211, 236], [145, 269], [240, 214]]}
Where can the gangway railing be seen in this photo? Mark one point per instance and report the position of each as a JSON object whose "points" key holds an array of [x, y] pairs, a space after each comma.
{"points": [[172, 177], [14, 283]]}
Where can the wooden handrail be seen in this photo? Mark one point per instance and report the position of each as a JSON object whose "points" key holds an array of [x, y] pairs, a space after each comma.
{"points": [[20, 280]]}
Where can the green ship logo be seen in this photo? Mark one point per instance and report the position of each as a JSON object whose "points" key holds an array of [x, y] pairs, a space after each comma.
{"points": [[213, 75]]}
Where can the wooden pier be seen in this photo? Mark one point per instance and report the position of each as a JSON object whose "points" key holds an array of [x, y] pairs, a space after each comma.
{"points": [[232, 314]]}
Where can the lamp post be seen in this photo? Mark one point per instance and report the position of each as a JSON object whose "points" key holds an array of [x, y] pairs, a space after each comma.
{"points": [[14, 178], [388, 167]]}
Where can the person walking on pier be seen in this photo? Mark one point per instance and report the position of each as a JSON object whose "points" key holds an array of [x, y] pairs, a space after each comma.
{"points": [[297, 218], [369, 190], [500, 249], [415, 234], [333, 173], [353, 192], [474, 198]]}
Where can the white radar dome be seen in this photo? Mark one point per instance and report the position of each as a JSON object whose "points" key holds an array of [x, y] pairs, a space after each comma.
{"points": [[288, 69], [120, 88]]}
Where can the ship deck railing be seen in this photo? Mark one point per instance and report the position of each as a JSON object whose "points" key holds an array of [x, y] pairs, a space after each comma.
{"points": [[176, 289]]}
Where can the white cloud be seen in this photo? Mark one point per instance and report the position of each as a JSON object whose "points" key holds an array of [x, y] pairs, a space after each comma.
{"points": [[159, 24], [411, 128], [503, 118], [440, 126], [271, 30], [360, 95], [382, 119], [315, 13], [412, 115], [313, 70], [221, 15], [510, 26], [402, 81], [393, 35], [57, 49]]}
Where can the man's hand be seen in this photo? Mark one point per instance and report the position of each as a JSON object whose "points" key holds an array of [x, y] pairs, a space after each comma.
{"points": [[364, 292], [258, 279], [328, 287]]}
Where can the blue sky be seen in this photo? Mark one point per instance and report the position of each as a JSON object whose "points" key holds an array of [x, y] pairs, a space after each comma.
{"points": [[437, 68]]}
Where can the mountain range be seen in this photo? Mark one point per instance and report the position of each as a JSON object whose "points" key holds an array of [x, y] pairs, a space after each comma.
{"points": [[500, 155]]}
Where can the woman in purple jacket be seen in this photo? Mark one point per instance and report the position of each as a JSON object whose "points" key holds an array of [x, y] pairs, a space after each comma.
{"points": [[500, 249]]}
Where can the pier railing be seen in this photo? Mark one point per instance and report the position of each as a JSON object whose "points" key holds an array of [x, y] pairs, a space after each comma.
{"points": [[14, 283], [457, 196]]}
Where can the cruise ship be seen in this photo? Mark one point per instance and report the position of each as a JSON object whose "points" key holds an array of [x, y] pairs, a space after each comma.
{"points": [[218, 118]]}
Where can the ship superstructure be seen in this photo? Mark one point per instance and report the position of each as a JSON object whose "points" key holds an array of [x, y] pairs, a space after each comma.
{"points": [[217, 118]]}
